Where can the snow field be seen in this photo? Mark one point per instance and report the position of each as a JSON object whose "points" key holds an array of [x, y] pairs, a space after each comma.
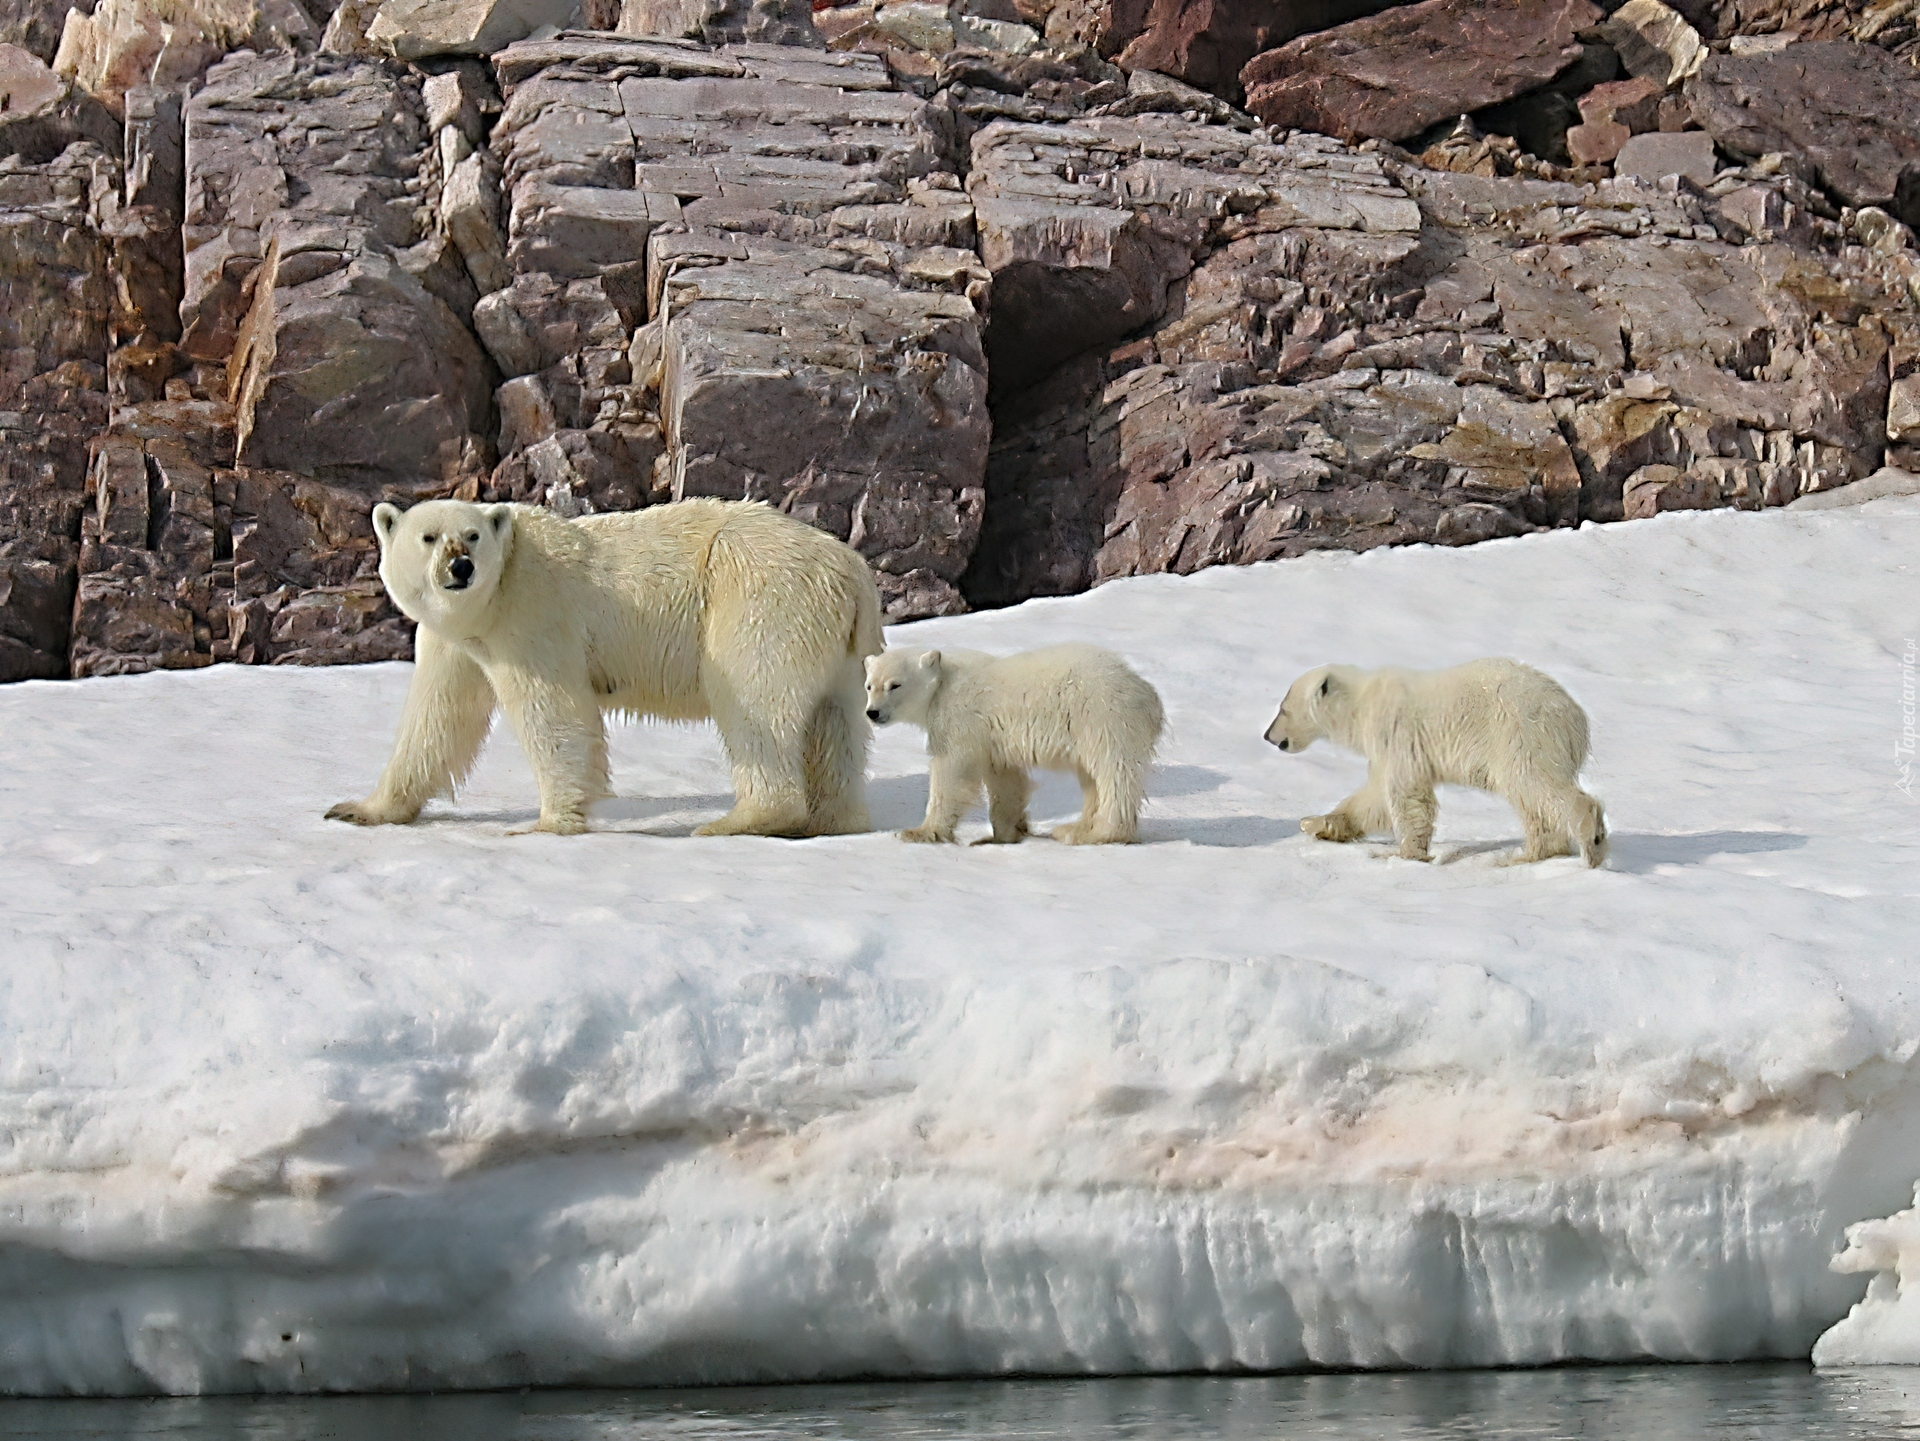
{"points": [[289, 1105]]}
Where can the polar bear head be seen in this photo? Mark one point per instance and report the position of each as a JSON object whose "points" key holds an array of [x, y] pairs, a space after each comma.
{"points": [[442, 560], [1311, 704], [901, 685]]}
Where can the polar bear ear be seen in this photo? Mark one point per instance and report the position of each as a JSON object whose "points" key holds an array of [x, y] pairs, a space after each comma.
{"points": [[499, 517], [384, 518], [868, 663], [1326, 684], [930, 660]]}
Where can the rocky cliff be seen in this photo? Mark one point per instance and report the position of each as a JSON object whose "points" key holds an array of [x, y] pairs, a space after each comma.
{"points": [[1014, 298]]}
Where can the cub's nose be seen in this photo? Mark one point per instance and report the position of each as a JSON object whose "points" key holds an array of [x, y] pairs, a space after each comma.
{"points": [[462, 570], [1283, 743], [873, 713]]}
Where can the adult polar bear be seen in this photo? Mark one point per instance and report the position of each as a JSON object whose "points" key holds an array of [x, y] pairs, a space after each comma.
{"points": [[726, 610]]}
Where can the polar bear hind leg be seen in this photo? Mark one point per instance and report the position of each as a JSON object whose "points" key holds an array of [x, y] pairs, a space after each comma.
{"points": [[769, 771], [836, 758]]}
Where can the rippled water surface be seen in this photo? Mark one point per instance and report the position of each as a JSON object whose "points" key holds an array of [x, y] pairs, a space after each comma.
{"points": [[1646, 1403]]}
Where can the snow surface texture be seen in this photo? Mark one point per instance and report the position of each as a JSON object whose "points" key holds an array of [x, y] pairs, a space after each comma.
{"points": [[291, 1105]]}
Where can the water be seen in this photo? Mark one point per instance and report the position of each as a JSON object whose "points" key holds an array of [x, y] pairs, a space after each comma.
{"points": [[1779, 1402]]}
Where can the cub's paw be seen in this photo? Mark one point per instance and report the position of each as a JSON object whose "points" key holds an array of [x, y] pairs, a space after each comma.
{"points": [[1414, 853], [366, 813], [926, 836], [1333, 827]]}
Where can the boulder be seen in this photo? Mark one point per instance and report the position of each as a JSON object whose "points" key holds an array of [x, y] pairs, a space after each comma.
{"points": [[1850, 112], [307, 253], [722, 22], [41, 113], [124, 43], [1397, 73], [1208, 42], [1654, 156], [417, 29], [1654, 42], [34, 25]]}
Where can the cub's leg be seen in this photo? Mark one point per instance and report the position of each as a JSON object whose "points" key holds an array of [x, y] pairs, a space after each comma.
{"points": [[560, 728], [1363, 813], [1414, 810], [953, 785], [449, 708], [1589, 826], [1007, 793], [1075, 832], [1546, 818], [1114, 817]]}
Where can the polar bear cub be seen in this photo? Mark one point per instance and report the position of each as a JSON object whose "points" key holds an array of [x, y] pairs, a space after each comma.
{"points": [[1494, 725], [702, 609], [990, 719]]}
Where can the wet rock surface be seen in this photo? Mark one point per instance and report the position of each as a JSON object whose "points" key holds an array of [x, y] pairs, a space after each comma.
{"points": [[1009, 318]]}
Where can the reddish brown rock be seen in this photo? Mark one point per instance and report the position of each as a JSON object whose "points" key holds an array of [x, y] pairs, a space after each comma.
{"points": [[1851, 112], [1394, 75], [1208, 42]]}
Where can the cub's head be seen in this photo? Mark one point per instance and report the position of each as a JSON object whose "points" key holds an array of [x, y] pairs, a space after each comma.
{"points": [[1309, 703], [442, 560], [900, 685]]}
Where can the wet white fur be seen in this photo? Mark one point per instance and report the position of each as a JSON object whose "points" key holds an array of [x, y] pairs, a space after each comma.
{"points": [[990, 719], [705, 608], [1495, 725]]}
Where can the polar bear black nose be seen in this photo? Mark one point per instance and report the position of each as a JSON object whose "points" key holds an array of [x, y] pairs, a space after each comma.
{"points": [[462, 569], [1282, 744], [873, 713]]}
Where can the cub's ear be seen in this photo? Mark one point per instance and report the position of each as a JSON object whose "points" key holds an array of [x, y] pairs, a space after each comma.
{"points": [[385, 517], [500, 517], [1326, 684], [930, 660], [868, 664]]}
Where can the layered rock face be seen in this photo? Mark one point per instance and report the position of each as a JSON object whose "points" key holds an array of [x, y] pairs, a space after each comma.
{"points": [[742, 273], [1009, 319], [56, 304]]}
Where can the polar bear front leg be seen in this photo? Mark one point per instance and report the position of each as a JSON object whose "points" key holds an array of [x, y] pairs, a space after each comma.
{"points": [[1359, 815], [561, 731], [449, 708], [952, 788]]}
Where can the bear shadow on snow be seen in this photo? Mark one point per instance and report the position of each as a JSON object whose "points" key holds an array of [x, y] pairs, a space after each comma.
{"points": [[1639, 853], [896, 802]]}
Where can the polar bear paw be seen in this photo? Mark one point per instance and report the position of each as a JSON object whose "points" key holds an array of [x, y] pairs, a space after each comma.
{"points": [[926, 836], [1331, 827], [367, 813]]}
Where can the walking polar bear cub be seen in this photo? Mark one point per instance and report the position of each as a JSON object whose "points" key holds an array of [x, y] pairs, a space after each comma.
{"points": [[714, 609], [1495, 725], [989, 719]]}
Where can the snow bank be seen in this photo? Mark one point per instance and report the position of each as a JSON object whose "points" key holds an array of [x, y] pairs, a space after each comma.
{"points": [[286, 1105]]}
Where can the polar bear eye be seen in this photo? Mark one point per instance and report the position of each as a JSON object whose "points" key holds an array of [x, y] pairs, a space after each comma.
{"points": [[473, 537], [893, 685], [429, 539]]}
